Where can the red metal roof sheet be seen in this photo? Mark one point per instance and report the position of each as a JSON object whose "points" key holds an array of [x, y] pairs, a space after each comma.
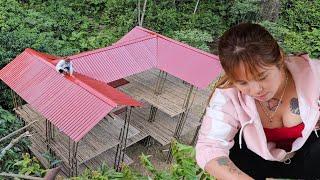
{"points": [[67, 102], [113, 94], [135, 34], [195, 68], [117, 61], [142, 49], [190, 64]]}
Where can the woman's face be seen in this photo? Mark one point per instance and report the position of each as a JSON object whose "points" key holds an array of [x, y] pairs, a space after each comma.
{"points": [[262, 87]]}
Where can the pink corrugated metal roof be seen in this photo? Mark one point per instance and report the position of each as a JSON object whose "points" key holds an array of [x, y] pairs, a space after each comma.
{"points": [[180, 60], [135, 34], [142, 49], [115, 96], [198, 69], [73, 104], [117, 61]]}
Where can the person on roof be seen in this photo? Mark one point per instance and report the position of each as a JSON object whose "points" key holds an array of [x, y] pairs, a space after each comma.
{"points": [[261, 120], [64, 66]]}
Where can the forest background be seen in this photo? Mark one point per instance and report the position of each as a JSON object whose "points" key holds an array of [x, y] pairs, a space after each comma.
{"points": [[66, 27]]}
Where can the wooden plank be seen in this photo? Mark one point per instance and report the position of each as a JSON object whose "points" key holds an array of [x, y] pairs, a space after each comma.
{"points": [[174, 90], [165, 104], [108, 158], [38, 149], [173, 85], [162, 129], [141, 135], [102, 137]]}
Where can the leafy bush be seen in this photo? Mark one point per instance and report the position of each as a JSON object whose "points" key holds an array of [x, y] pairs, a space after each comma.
{"points": [[302, 15], [8, 124], [290, 41], [184, 167], [244, 11], [30, 166], [108, 173], [193, 37]]}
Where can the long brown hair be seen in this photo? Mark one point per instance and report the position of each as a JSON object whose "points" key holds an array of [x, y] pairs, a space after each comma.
{"points": [[250, 44]]}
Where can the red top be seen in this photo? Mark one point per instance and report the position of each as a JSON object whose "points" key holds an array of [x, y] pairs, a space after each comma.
{"points": [[284, 137]]}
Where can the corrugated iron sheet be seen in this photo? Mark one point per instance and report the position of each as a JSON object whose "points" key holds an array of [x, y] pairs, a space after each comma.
{"points": [[114, 95], [134, 34], [69, 106], [197, 68], [117, 61], [192, 65]]}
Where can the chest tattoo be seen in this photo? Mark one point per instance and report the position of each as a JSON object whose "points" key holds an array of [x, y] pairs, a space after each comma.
{"points": [[294, 106], [273, 103]]}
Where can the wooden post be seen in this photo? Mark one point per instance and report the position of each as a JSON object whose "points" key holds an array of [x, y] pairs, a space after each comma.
{"points": [[121, 147], [182, 119]]}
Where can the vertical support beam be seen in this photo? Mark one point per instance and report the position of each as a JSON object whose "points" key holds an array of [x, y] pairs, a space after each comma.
{"points": [[118, 152], [17, 102], [127, 132], [69, 156], [182, 118], [121, 147], [51, 126], [49, 138], [153, 113], [195, 137], [162, 76], [73, 161], [47, 135]]}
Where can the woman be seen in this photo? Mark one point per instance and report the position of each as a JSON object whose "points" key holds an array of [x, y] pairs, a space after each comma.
{"points": [[261, 119]]}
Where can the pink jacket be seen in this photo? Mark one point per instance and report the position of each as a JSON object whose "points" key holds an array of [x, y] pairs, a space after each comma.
{"points": [[229, 111]]}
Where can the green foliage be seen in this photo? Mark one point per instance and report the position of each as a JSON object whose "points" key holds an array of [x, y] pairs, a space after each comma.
{"points": [[291, 41], [108, 173], [195, 38], [244, 11], [184, 167], [30, 166], [8, 124], [302, 15]]}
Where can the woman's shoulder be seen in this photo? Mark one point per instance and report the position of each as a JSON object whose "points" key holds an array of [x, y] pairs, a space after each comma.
{"points": [[223, 95], [297, 58], [229, 91], [300, 57], [302, 61]]}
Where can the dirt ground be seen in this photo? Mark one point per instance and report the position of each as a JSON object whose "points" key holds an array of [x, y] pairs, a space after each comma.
{"points": [[158, 154]]}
